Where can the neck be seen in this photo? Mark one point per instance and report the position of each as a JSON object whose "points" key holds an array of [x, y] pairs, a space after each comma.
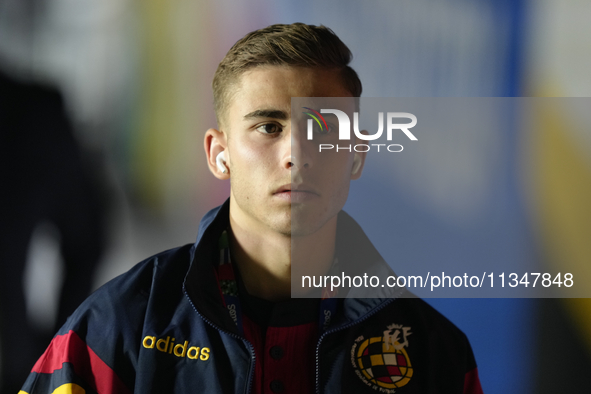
{"points": [[267, 259]]}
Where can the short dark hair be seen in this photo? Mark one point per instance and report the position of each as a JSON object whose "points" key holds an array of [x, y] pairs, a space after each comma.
{"points": [[297, 44]]}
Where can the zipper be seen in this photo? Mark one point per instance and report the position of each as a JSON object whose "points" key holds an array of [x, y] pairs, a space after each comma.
{"points": [[231, 334], [349, 325]]}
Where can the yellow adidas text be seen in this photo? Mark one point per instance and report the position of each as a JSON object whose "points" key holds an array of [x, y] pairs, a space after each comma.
{"points": [[180, 350]]}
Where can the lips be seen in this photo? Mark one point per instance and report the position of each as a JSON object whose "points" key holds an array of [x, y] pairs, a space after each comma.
{"points": [[296, 192], [296, 188]]}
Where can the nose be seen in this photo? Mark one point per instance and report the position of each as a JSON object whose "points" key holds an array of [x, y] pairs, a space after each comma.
{"points": [[299, 155]]}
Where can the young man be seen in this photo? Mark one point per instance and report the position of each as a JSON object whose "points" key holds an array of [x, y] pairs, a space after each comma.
{"points": [[217, 316]]}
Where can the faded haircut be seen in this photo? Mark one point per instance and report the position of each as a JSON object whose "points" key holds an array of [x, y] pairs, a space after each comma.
{"points": [[297, 45]]}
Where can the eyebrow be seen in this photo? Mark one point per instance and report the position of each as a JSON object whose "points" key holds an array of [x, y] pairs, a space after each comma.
{"points": [[267, 113]]}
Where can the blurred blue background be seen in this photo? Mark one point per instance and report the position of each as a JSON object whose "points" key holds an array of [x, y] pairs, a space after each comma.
{"points": [[136, 82]]}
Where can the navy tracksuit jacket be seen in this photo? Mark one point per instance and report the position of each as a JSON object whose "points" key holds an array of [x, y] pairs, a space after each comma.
{"points": [[162, 328]]}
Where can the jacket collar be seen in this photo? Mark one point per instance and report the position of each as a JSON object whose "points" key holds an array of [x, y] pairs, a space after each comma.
{"points": [[357, 256], [200, 284]]}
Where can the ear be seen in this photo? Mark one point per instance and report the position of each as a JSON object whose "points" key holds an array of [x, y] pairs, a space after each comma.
{"points": [[358, 160], [215, 143]]}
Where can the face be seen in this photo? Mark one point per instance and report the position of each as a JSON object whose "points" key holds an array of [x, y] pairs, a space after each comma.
{"points": [[280, 182]]}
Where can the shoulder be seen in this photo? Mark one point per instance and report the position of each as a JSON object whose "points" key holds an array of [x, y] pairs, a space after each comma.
{"points": [[434, 337], [423, 313], [430, 323], [103, 336], [123, 300]]}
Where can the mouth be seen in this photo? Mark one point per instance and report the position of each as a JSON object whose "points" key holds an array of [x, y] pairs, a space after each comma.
{"points": [[296, 192]]}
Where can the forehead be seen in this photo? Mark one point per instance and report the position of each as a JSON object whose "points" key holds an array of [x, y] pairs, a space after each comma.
{"points": [[274, 86]]}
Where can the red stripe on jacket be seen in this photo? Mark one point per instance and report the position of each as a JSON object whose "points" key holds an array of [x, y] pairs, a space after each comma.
{"points": [[70, 348], [472, 382]]}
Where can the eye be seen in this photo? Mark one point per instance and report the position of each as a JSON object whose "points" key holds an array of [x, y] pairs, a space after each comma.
{"points": [[269, 128]]}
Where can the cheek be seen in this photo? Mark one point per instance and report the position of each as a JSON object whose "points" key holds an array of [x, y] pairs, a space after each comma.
{"points": [[336, 174], [252, 165], [243, 155], [335, 166]]}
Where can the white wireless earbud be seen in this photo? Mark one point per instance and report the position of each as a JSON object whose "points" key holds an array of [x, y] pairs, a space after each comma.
{"points": [[220, 161], [356, 164]]}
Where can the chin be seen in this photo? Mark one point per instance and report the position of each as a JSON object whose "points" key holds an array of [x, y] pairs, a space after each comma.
{"points": [[281, 223], [303, 226], [308, 219], [294, 228]]}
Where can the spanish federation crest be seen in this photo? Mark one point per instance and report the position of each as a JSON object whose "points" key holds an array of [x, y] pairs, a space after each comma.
{"points": [[382, 362]]}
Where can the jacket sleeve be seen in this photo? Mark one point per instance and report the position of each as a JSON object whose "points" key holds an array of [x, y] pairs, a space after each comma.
{"points": [[472, 382], [70, 366], [471, 379], [96, 351]]}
